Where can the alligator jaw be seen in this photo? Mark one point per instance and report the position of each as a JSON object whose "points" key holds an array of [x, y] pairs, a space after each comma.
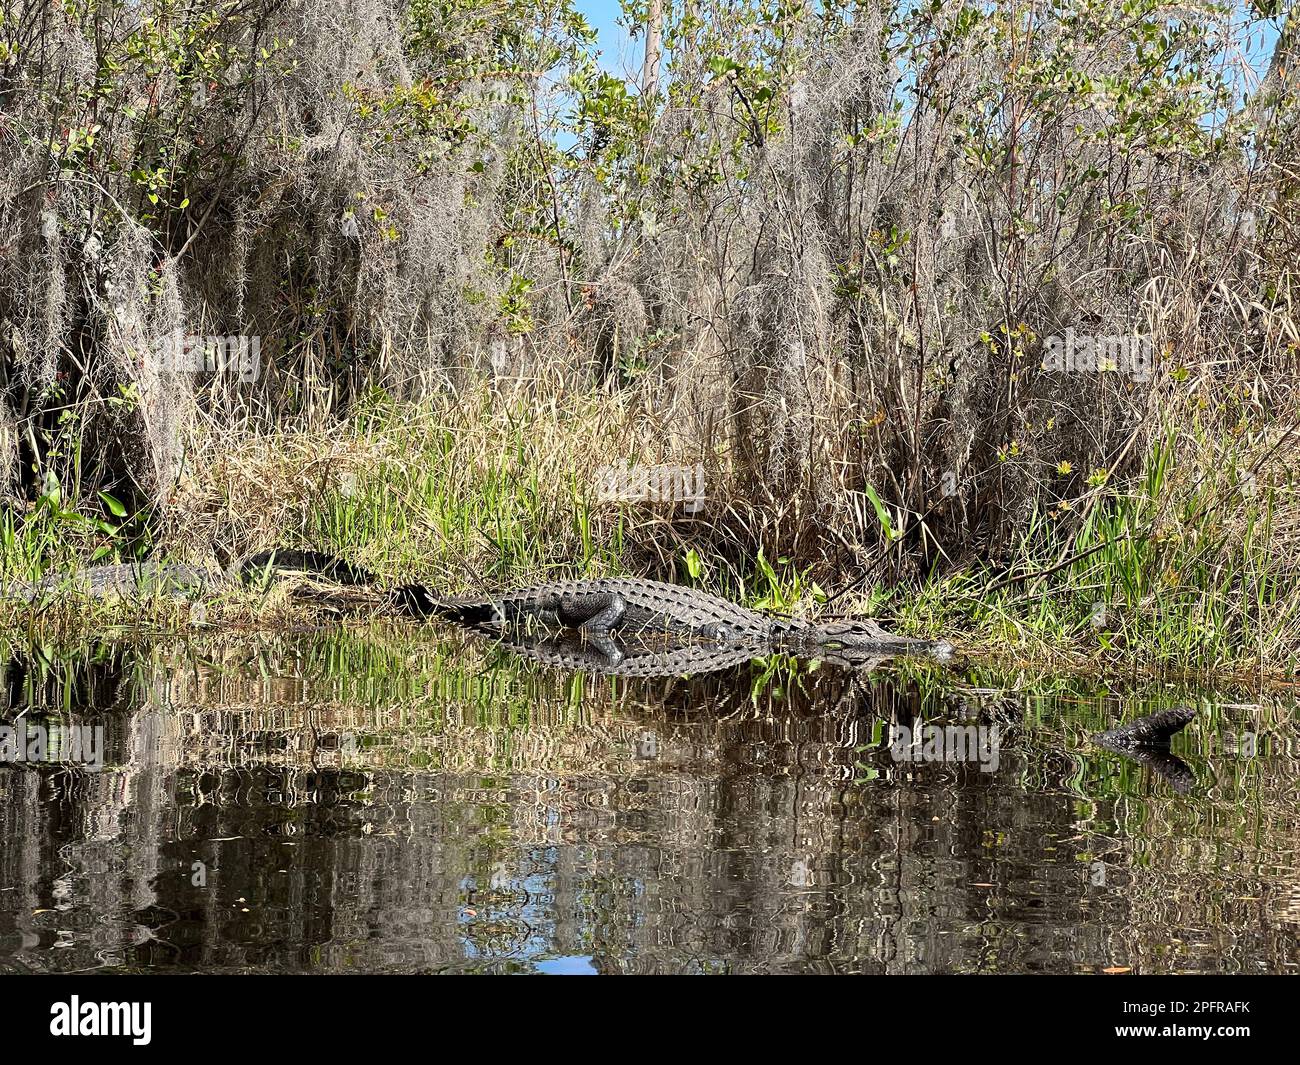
{"points": [[848, 640]]}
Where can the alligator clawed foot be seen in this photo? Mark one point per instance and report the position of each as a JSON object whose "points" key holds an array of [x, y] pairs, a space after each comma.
{"points": [[605, 646]]}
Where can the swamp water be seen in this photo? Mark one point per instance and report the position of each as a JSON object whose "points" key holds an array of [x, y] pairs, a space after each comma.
{"points": [[415, 800]]}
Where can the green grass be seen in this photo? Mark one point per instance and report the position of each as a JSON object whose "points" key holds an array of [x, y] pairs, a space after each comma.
{"points": [[463, 506], [1177, 571], [1185, 567]]}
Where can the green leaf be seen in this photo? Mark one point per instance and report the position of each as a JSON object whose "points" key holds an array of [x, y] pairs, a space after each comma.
{"points": [[115, 506], [693, 564], [882, 514]]}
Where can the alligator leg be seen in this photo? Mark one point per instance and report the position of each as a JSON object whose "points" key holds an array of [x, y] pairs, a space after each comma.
{"points": [[596, 614], [604, 645]]}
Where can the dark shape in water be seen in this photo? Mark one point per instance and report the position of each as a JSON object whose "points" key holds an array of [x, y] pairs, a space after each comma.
{"points": [[1177, 772], [1146, 741], [1153, 731]]}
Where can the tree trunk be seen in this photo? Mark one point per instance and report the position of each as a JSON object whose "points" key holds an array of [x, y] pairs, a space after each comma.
{"points": [[653, 48]]}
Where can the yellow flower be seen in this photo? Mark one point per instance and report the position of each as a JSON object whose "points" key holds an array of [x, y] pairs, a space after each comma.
{"points": [[1063, 468]]}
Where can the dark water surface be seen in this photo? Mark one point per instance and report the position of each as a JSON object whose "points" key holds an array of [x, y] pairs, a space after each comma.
{"points": [[396, 801]]}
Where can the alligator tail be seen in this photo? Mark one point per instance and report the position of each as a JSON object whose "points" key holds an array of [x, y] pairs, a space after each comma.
{"points": [[316, 563], [20, 591], [417, 600], [412, 599]]}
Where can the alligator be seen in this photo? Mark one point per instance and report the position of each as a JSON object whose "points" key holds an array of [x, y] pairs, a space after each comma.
{"points": [[597, 609], [180, 580], [1153, 732], [631, 606], [1147, 741]]}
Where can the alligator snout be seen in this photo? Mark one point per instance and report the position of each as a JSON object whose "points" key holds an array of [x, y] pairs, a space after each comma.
{"points": [[942, 650], [868, 636]]}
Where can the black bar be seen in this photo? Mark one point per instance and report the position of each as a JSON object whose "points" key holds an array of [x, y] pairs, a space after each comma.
{"points": [[335, 1014]]}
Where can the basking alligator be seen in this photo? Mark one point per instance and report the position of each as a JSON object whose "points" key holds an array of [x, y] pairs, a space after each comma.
{"points": [[663, 629], [631, 606], [597, 609]]}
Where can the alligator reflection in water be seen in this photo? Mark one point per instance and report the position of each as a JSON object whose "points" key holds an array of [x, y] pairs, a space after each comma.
{"points": [[1148, 740], [642, 654], [664, 655], [372, 802]]}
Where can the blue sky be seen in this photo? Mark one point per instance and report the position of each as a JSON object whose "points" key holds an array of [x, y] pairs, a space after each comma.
{"points": [[620, 53]]}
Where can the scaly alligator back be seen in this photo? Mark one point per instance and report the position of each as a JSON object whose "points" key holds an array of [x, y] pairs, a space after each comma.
{"points": [[645, 606], [140, 580], [125, 580], [638, 607]]}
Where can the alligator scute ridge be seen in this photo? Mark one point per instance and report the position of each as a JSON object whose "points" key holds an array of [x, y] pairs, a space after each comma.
{"points": [[1154, 732], [1147, 742]]}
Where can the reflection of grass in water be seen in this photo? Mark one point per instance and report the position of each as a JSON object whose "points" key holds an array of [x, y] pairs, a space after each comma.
{"points": [[395, 685], [498, 728], [1228, 848]]}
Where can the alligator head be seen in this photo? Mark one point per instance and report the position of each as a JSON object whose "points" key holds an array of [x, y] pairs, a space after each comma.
{"points": [[847, 639]]}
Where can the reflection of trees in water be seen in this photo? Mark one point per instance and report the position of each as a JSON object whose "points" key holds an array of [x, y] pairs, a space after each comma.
{"points": [[467, 819]]}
